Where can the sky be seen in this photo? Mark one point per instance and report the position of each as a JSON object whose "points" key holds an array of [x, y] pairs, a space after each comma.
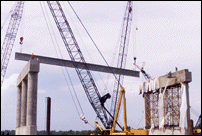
{"points": [[164, 35]]}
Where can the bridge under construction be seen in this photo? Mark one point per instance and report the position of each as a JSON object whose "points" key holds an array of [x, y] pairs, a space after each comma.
{"points": [[166, 97]]}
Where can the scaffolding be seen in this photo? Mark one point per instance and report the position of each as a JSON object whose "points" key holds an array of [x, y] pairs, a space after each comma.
{"points": [[165, 106]]}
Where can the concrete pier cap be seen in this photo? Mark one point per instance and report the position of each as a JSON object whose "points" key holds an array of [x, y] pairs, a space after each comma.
{"points": [[26, 112], [32, 66], [169, 80]]}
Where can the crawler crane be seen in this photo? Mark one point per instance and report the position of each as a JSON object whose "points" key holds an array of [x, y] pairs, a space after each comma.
{"points": [[85, 76], [125, 131], [93, 95], [75, 54]]}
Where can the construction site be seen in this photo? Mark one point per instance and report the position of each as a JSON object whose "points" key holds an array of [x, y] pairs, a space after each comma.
{"points": [[61, 84]]}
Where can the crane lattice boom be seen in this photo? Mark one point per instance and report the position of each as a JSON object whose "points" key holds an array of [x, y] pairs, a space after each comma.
{"points": [[76, 55], [125, 35], [10, 37]]}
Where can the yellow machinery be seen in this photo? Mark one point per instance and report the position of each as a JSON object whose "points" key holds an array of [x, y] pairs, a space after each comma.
{"points": [[196, 131], [197, 128], [125, 131]]}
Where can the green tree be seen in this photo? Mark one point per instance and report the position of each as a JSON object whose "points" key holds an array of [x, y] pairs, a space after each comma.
{"points": [[97, 131], [42, 132], [70, 132]]}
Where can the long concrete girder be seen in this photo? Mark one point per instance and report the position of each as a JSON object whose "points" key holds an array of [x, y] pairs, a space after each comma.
{"points": [[69, 63]]}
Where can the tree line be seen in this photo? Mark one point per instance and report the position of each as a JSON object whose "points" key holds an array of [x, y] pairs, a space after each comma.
{"points": [[70, 132]]}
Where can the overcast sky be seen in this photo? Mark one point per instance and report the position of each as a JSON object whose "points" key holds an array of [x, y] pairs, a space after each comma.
{"points": [[168, 35]]}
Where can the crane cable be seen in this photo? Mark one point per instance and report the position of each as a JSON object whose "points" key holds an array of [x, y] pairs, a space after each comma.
{"points": [[22, 27], [61, 67], [86, 50], [94, 44], [105, 83], [135, 29], [114, 54]]}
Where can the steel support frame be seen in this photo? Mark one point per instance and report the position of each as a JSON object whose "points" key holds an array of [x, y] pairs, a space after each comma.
{"points": [[154, 97], [147, 110], [172, 106], [172, 102]]}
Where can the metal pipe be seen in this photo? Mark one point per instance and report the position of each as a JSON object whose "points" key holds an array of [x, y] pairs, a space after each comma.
{"points": [[48, 117]]}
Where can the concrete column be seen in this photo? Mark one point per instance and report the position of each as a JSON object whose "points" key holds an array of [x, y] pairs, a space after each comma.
{"points": [[18, 110], [188, 105], [27, 104], [186, 87], [32, 103], [24, 103]]}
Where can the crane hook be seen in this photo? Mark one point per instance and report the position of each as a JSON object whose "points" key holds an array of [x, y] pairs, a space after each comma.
{"points": [[21, 40], [82, 117]]}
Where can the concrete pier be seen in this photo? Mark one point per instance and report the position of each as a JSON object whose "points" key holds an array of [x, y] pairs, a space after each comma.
{"points": [[32, 99], [24, 103], [18, 113], [26, 115], [171, 102]]}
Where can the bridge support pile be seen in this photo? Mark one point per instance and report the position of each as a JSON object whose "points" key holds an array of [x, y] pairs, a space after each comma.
{"points": [[27, 99]]}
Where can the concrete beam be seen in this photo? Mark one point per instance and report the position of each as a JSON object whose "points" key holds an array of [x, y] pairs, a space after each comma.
{"points": [[32, 66], [69, 63], [178, 77]]}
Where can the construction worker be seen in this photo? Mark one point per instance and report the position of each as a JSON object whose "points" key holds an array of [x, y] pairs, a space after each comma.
{"points": [[32, 56]]}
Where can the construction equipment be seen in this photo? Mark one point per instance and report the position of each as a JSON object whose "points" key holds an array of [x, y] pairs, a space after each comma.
{"points": [[123, 49], [125, 131], [198, 123], [10, 36], [146, 76], [75, 54], [122, 95], [197, 128], [73, 49]]}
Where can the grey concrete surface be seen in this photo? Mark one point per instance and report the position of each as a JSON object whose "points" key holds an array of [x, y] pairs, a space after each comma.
{"points": [[80, 65], [168, 131], [178, 77], [26, 115], [24, 103], [32, 66], [32, 98], [18, 108]]}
